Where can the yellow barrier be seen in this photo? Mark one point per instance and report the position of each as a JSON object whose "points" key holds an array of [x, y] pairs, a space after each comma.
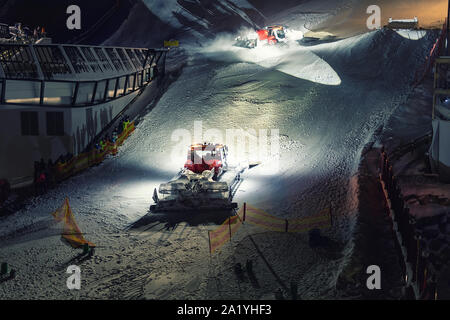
{"points": [[85, 160], [82, 162], [64, 170], [171, 43]]}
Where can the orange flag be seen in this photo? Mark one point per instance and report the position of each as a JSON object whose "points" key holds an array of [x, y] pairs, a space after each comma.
{"points": [[60, 213], [71, 231]]}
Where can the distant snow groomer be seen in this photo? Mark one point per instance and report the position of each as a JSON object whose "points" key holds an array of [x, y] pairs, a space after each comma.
{"points": [[270, 35], [207, 182]]}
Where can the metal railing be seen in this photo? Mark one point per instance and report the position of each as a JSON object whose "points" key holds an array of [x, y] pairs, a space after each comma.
{"points": [[415, 262], [74, 76]]}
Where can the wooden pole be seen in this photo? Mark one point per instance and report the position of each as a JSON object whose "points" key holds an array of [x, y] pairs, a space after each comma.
{"points": [[331, 214], [245, 210], [209, 242], [418, 261], [424, 283]]}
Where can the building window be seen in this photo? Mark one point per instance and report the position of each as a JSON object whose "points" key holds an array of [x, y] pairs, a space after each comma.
{"points": [[55, 123], [30, 123]]}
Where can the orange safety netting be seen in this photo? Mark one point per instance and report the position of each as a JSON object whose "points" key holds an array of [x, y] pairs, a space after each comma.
{"points": [[223, 234], [270, 222], [319, 220], [262, 219]]}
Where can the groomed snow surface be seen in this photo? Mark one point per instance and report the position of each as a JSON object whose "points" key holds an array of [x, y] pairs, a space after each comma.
{"points": [[325, 100]]}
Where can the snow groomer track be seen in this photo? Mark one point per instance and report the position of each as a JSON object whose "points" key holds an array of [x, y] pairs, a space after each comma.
{"points": [[326, 101]]}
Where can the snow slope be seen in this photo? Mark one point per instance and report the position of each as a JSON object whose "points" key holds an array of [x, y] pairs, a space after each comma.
{"points": [[352, 17], [197, 21], [323, 127]]}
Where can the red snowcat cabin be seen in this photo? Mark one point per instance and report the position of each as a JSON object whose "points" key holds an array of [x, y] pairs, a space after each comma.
{"points": [[206, 156], [273, 34]]}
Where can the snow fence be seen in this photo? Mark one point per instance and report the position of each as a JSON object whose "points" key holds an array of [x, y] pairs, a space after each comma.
{"points": [[257, 217]]}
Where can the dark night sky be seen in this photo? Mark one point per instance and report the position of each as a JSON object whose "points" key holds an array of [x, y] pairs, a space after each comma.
{"points": [[52, 15]]}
